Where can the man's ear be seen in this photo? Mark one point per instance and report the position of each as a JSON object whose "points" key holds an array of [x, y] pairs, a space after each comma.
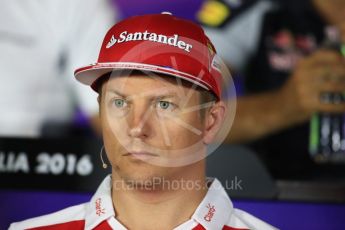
{"points": [[99, 104], [213, 121]]}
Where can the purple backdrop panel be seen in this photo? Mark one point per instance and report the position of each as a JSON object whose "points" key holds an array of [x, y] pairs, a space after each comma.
{"points": [[18, 205], [183, 8], [295, 215]]}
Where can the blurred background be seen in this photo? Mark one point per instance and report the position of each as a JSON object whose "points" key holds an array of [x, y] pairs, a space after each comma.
{"points": [[287, 143]]}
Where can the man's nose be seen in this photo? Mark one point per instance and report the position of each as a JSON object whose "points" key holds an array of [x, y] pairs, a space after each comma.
{"points": [[139, 122]]}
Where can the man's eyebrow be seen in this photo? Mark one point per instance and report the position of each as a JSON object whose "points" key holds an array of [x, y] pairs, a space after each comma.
{"points": [[167, 95], [160, 95], [117, 92]]}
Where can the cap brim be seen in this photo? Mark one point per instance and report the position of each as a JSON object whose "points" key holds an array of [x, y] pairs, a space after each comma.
{"points": [[89, 74]]}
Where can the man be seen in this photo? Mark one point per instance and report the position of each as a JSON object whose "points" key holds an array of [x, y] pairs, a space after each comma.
{"points": [[153, 75]]}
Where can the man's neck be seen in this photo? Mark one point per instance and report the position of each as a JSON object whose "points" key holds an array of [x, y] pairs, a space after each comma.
{"points": [[160, 207]]}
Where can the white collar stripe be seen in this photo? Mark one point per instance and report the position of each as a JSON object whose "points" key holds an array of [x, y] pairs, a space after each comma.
{"points": [[215, 209], [100, 207]]}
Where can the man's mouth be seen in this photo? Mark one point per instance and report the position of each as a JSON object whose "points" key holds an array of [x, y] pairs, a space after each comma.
{"points": [[141, 155]]}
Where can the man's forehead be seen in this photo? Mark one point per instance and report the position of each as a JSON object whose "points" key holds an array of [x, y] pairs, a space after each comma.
{"points": [[152, 84]]}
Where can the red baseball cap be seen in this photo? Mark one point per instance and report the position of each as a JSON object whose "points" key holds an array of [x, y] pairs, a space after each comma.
{"points": [[159, 43]]}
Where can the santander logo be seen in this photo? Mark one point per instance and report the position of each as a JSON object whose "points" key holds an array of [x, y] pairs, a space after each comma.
{"points": [[211, 210], [99, 209], [147, 36]]}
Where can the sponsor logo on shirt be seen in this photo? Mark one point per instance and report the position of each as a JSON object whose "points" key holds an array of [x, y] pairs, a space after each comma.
{"points": [[213, 13], [211, 210], [285, 49], [99, 209], [147, 36]]}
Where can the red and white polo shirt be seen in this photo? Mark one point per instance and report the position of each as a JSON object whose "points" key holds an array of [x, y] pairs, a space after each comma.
{"points": [[215, 212]]}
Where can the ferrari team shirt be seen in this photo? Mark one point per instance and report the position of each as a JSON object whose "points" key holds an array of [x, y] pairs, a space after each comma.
{"points": [[215, 212]]}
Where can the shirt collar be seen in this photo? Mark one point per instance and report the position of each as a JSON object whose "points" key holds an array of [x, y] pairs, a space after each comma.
{"points": [[213, 212], [100, 207], [215, 209]]}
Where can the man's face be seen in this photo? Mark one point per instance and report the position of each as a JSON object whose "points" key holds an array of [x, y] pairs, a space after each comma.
{"points": [[149, 119]]}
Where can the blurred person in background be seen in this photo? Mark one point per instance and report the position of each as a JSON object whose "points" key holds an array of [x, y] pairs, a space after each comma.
{"points": [[279, 47], [235, 25], [41, 43]]}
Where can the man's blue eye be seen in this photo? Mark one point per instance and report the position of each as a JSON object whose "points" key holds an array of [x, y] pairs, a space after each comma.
{"points": [[164, 104], [119, 103]]}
